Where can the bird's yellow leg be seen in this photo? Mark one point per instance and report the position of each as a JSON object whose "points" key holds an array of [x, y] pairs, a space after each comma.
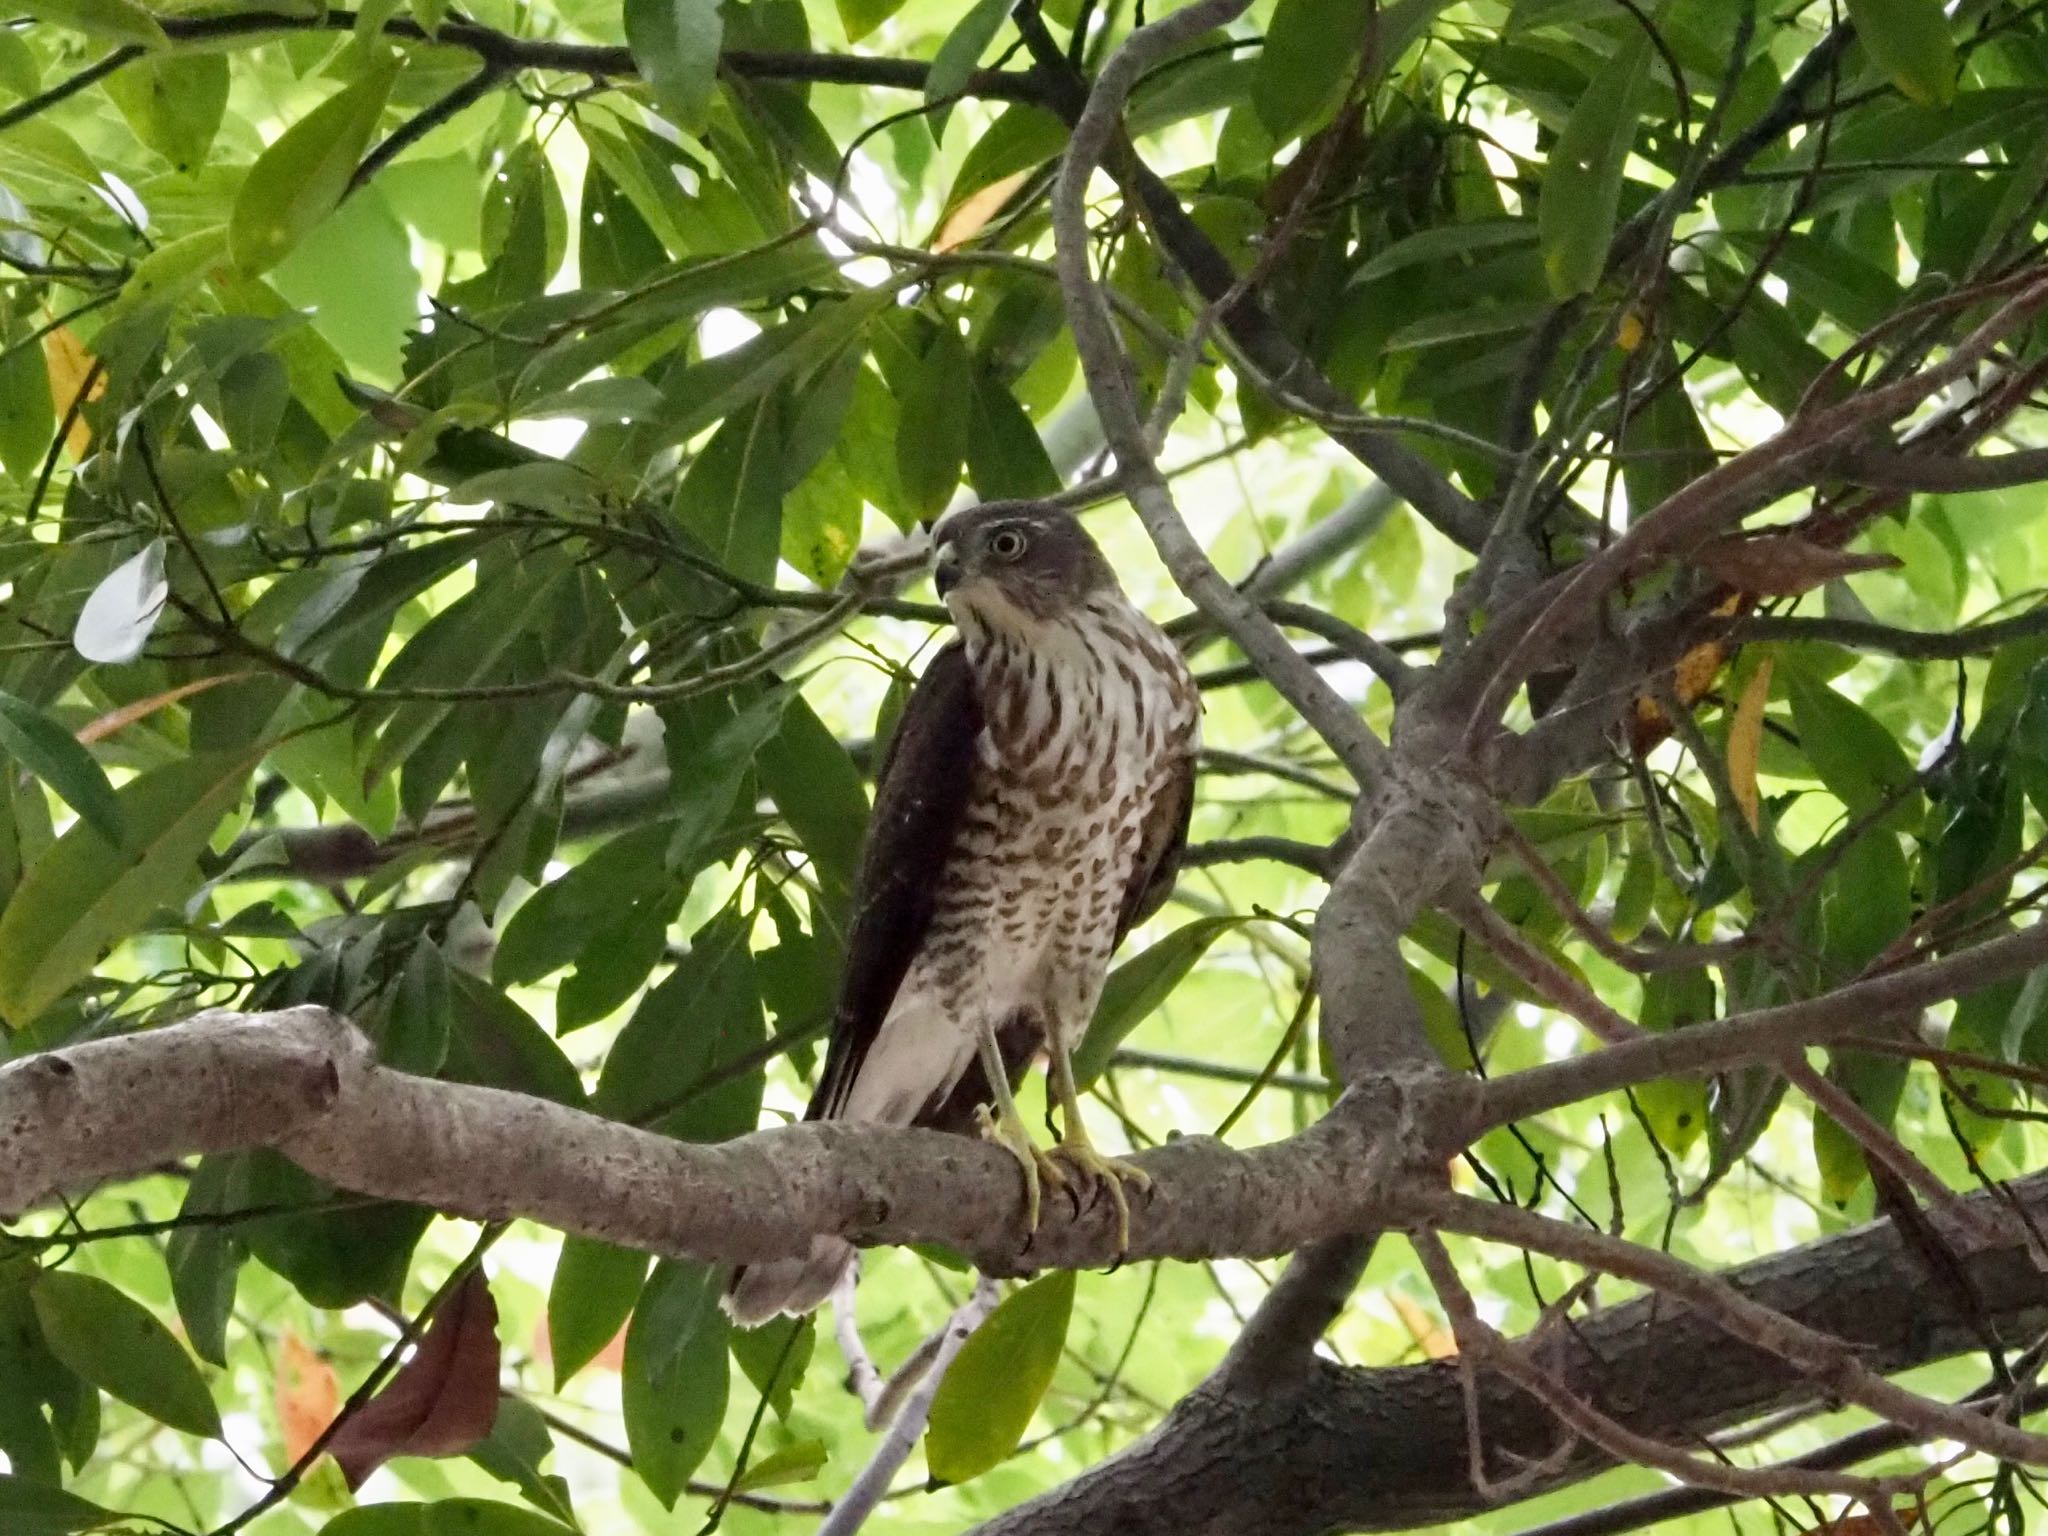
{"points": [[1078, 1152], [1005, 1126]]}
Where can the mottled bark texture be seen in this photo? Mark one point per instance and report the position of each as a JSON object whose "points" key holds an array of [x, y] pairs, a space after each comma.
{"points": [[1333, 1448]]}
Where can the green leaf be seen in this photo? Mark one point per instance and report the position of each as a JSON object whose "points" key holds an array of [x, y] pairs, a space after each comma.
{"points": [[1582, 187], [675, 43], [860, 17], [31, 1509], [676, 1377], [1311, 53], [995, 1383], [797, 1462], [28, 417], [1005, 459], [591, 1297], [813, 782], [1859, 761], [206, 1260], [118, 1345], [938, 395], [709, 391], [301, 178], [1138, 986], [775, 1357], [174, 104], [1866, 903], [1911, 42], [446, 1517], [86, 892], [118, 21], [333, 1258], [704, 1016], [512, 1452], [53, 755], [731, 496], [414, 1032], [954, 63]]}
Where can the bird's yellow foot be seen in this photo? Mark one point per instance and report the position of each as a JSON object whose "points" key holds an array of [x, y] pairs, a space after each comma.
{"points": [[1039, 1168], [1107, 1173]]}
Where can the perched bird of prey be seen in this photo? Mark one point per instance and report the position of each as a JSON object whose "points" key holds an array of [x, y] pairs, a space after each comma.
{"points": [[1032, 808]]}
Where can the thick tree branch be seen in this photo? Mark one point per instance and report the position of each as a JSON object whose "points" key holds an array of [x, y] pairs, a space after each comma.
{"points": [[304, 1081], [1384, 1449]]}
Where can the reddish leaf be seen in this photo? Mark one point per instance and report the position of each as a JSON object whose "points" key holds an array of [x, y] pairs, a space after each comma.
{"points": [[1782, 564], [441, 1402], [308, 1397]]}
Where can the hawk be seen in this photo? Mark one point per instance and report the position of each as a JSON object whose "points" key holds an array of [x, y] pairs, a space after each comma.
{"points": [[1032, 808]]}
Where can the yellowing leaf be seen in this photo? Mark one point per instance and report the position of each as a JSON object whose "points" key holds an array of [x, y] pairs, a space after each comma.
{"points": [[73, 373], [1746, 742], [307, 1396], [966, 221], [994, 1384], [301, 178], [1430, 1336]]}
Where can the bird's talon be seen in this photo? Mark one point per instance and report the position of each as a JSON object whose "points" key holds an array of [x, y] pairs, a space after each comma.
{"points": [[1039, 1167], [1109, 1175]]}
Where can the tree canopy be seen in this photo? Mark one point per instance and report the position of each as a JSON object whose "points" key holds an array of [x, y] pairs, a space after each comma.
{"points": [[466, 475]]}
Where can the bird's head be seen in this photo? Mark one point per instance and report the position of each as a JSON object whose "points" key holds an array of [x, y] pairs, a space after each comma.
{"points": [[1007, 563]]}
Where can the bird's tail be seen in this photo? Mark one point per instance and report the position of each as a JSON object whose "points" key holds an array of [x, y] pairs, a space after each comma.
{"points": [[793, 1286]]}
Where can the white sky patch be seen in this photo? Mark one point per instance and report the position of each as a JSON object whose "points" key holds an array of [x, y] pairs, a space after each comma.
{"points": [[721, 330], [555, 436]]}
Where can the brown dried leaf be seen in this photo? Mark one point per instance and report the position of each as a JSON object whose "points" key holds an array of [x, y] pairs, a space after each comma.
{"points": [[1782, 564], [442, 1401], [307, 1396]]}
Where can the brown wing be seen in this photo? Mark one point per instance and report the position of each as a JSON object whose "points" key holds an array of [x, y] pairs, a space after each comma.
{"points": [[920, 797], [1160, 841]]}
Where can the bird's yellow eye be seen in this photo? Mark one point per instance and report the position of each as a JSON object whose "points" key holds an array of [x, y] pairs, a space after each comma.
{"points": [[1006, 543]]}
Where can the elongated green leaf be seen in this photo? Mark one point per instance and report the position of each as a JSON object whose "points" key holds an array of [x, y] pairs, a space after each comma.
{"points": [[1582, 187], [938, 396], [731, 498], [963, 48], [592, 1295], [1911, 42], [446, 1517], [300, 179], [119, 1346], [996, 1381], [710, 391], [53, 755], [118, 21], [85, 892], [174, 104], [676, 1377], [31, 1509], [1138, 986], [1311, 53], [675, 43], [28, 416], [206, 1260], [1857, 758]]}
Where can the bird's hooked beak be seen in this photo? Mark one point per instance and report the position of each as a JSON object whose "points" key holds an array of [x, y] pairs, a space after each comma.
{"points": [[946, 573]]}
